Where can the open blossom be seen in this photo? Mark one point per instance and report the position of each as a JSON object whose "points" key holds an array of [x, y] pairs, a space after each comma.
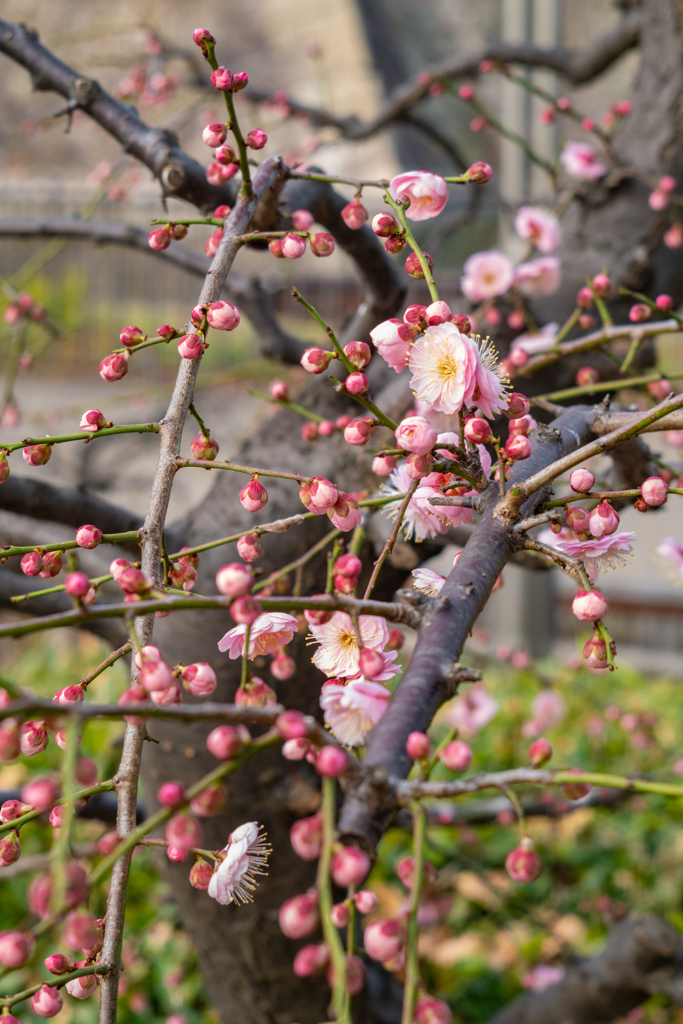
{"points": [[392, 339], [671, 549], [538, 277], [247, 852], [451, 369], [419, 521], [538, 226], [428, 193], [268, 631], [428, 582], [547, 711], [338, 653], [353, 709], [486, 274], [609, 552], [471, 711], [582, 161]]}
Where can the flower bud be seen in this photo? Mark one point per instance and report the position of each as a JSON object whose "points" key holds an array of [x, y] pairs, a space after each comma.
{"points": [[589, 605], [478, 430], [225, 155], [385, 225], [183, 575], [383, 938], [199, 679], [357, 432], [654, 491], [523, 863], [330, 761], [581, 480], [518, 405], [366, 901], [315, 617], [4, 468], [200, 874], [37, 454], [215, 134], [311, 960], [575, 790], [12, 809], [92, 420], [80, 930], [159, 239], [540, 751], [134, 581], [114, 367], [156, 675], [240, 80], [10, 851], [47, 1002], [340, 915], [210, 801], [291, 724], [15, 948], [223, 316], [191, 346], [204, 447], [356, 384], [302, 220], [604, 520], [222, 79], [414, 267], [429, 1010], [70, 695], [456, 755], [293, 246], [299, 916], [479, 173], [384, 465], [176, 854], [415, 434], [601, 285], [226, 742], [57, 816], [577, 519], [214, 240], [32, 563], [354, 215], [322, 244], [295, 750], [664, 303], [33, 740], [316, 360], [370, 662], [350, 865], [88, 537], [171, 794], [309, 431], [202, 36], [183, 832], [359, 353], [234, 579], [58, 963], [245, 609], [639, 312], [253, 495], [256, 139], [518, 447], [396, 243], [355, 975], [9, 740], [256, 694], [249, 547], [418, 746], [306, 836]]}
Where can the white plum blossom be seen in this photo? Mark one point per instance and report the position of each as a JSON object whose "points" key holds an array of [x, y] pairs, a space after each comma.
{"points": [[351, 710], [428, 582], [338, 652], [268, 631], [247, 852]]}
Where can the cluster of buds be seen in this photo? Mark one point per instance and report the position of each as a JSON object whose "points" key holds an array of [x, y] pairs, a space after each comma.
{"points": [[24, 307], [347, 569], [653, 492], [160, 238]]}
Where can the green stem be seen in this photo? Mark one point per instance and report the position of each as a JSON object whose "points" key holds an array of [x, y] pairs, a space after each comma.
{"points": [[631, 354], [233, 467], [400, 210], [600, 305], [412, 971], [289, 405], [368, 404], [298, 562], [510, 135], [245, 658], [96, 581], [148, 343], [211, 221], [324, 885], [568, 325], [341, 355], [81, 972], [609, 385], [331, 559], [67, 545], [63, 843], [210, 57], [202, 425], [136, 428], [83, 794]]}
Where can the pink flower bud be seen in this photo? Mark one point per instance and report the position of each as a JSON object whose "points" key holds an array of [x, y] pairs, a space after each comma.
{"points": [[639, 313], [575, 790], [418, 746], [225, 155], [295, 750], [601, 285], [201, 873], [370, 662], [201, 36], [306, 836], [293, 246], [279, 390], [245, 609], [654, 491], [354, 215], [358, 353], [438, 313], [183, 832], [178, 231], [356, 384], [384, 465], [222, 79], [299, 916], [176, 854], [522, 426], [350, 865], [130, 336], [191, 346], [183, 575], [366, 901], [171, 794], [396, 243], [518, 405], [80, 930], [257, 694], [414, 267], [311, 960], [358, 432], [331, 762], [12, 809], [523, 863], [321, 244], [456, 755], [10, 851], [69, 695], [234, 579], [200, 679], [345, 584], [114, 367], [316, 360], [204, 447], [385, 225], [518, 447], [415, 434], [37, 454], [659, 388], [581, 480], [302, 220], [213, 241], [92, 420], [340, 915], [355, 975], [479, 173], [664, 303], [429, 1010], [9, 740], [210, 801], [320, 495], [225, 742], [223, 316], [253, 496], [348, 565], [578, 519], [15, 948], [540, 751], [4, 468], [159, 239], [604, 520], [33, 740], [88, 537], [383, 938], [414, 314], [249, 547], [47, 1002], [57, 816], [309, 431], [595, 652], [478, 430], [317, 618], [240, 80], [58, 963], [156, 675], [291, 725], [32, 563], [215, 134], [134, 581], [589, 605]]}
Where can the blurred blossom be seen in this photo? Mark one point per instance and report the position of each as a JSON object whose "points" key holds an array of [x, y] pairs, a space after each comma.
{"points": [[542, 976], [548, 710], [469, 712]]}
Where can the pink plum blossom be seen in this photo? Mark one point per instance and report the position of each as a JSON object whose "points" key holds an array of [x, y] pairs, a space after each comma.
{"points": [[538, 226], [538, 277], [353, 709], [450, 370], [469, 712], [548, 709], [428, 582], [542, 976], [671, 549], [234, 879], [338, 653], [268, 631], [415, 434], [486, 274], [581, 160], [392, 339], [428, 193]]}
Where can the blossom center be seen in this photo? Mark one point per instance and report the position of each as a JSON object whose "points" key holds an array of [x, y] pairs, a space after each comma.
{"points": [[447, 367]]}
